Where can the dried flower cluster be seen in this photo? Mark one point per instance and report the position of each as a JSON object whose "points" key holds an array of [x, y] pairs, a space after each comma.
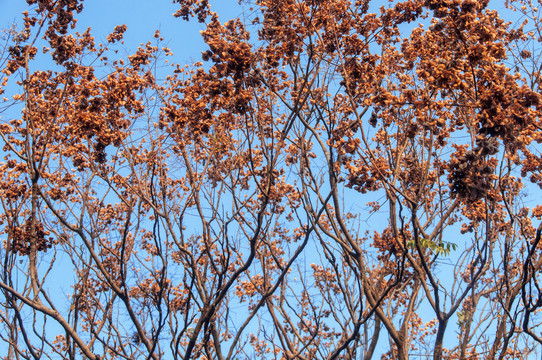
{"points": [[339, 179]]}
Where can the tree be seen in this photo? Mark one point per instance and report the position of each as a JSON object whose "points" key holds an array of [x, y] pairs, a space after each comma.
{"points": [[333, 181]]}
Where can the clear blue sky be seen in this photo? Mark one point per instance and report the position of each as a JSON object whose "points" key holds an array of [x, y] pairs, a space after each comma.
{"points": [[142, 17]]}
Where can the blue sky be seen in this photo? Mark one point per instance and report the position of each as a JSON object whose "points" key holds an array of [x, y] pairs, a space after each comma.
{"points": [[142, 17]]}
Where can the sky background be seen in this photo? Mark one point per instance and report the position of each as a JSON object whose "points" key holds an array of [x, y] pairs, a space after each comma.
{"points": [[143, 18]]}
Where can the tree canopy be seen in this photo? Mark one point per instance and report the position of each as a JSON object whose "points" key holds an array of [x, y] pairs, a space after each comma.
{"points": [[334, 179]]}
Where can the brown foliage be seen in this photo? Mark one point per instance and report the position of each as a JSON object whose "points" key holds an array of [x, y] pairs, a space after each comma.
{"points": [[331, 175]]}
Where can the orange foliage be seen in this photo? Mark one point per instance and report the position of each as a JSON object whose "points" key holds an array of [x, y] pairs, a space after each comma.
{"points": [[172, 212]]}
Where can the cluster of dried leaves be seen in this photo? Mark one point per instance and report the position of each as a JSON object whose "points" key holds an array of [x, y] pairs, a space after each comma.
{"points": [[336, 180]]}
